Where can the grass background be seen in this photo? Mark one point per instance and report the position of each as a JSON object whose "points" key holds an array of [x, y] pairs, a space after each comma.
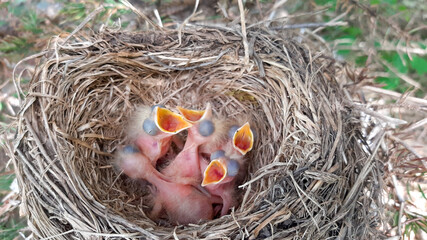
{"points": [[385, 40]]}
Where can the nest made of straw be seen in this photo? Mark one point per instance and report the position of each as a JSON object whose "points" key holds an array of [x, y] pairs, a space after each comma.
{"points": [[309, 174]]}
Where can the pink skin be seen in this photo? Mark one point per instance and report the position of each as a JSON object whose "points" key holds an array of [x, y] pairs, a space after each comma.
{"points": [[154, 147], [225, 187], [136, 165], [185, 169], [163, 124], [226, 193], [225, 190], [183, 204]]}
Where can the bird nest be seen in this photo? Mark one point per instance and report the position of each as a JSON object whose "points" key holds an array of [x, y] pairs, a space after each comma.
{"points": [[309, 174]]}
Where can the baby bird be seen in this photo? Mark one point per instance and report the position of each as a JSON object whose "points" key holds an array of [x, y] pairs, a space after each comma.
{"points": [[159, 125], [220, 174], [183, 204], [185, 169], [130, 160], [238, 142], [241, 141], [221, 169], [219, 178]]}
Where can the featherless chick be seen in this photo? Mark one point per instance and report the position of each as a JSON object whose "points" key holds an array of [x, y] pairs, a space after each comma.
{"points": [[153, 129], [182, 203]]}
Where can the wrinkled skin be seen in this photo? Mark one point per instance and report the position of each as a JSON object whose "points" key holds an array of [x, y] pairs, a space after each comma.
{"points": [[153, 142], [225, 191], [182, 203], [153, 147], [185, 168]]}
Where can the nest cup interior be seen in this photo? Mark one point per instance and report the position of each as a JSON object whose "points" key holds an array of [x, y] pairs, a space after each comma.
{"points": [[301, 171]]}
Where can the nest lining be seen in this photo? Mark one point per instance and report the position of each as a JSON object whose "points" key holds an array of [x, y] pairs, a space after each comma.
{"points": [[309, 176]]}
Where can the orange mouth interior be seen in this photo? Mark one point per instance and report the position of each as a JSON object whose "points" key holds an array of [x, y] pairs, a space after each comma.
{"points": [[170, 122], [243, 139], [214, 173], [191, 115]]}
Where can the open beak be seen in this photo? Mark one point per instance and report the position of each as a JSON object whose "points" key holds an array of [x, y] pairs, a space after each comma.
{"points": [[194, 116], [243, 139], [169, 122], [215, 172]]}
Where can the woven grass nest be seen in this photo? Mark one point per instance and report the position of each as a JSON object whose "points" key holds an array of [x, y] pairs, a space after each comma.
{"points": [[309, 175]]}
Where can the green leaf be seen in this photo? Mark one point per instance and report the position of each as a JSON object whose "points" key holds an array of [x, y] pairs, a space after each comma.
{"points": [[408, 228], [349, 41], [398, 64], [391, 82], [419, 64], [75, 11], [112, 2], [32, 22], [395, 219], [391, 2], [361, 60], [324, 2], [331, 3], [402, 8], [377, 44], [5, 181], [15, 44], [17, 2], [10, 229], [353, 31], [422, 225], [421, 191]]}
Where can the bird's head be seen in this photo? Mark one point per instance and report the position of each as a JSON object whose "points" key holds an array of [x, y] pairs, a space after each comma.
{"points": [[164, 120], [220, 170], [194, 116], [242, 138]]}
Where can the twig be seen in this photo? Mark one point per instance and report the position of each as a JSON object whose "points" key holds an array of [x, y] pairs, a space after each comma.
{"points": [[399, 195], [404, 144], [373, 13], [335, 19], [140, 14], [273, 11], [418, 124], [85, 21], [400, 75], [269, 219], [298, 189], [268, 215], [377, 115], [399, 222], [310, 25], [267, 22], [159, 19], [362, 47], [196, 5], [95, 234], [420, 101], [363, 173], [245, 39], [15, 81], [154, 58]]}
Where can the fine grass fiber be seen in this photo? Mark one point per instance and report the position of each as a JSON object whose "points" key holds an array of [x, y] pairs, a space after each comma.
{"points": [[310, 174]]}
